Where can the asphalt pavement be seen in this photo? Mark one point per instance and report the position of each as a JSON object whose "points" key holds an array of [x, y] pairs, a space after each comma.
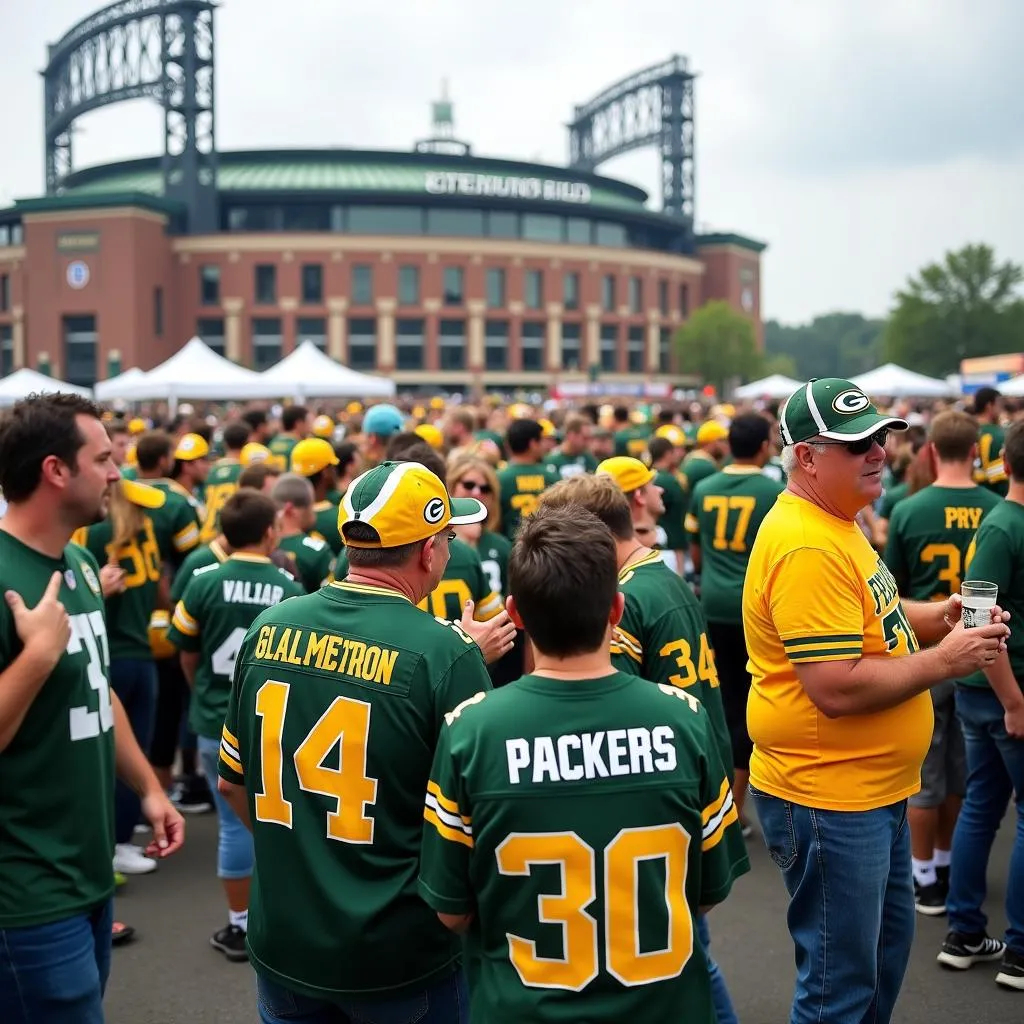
{"points": [[169, 974]]}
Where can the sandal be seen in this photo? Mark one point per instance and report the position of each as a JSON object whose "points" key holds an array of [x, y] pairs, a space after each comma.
{"points": [[121, 933]]}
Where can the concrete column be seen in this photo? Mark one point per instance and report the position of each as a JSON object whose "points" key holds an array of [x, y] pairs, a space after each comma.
{"points": [[592, 337], [337, 333], [554, 337], [386, 334], [476, 309], [233, 328], [18, 336], [653, 339]]}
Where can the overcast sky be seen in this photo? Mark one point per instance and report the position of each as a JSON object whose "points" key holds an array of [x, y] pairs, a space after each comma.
{"points": [[859, 138]]}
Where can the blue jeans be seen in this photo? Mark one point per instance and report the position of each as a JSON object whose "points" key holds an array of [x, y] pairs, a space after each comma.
{"points": [[442, 1002], [234, 840], [851, 908], [725, 1013], [56, 973], [134, 682], [995, 770]]}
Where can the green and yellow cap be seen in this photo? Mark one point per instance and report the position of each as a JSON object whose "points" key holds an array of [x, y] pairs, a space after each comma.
{"points": [[832, 407], [404, 503], [629, 473]]}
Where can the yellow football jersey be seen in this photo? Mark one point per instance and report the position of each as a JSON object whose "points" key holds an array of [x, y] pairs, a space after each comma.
{"points": [[816, 590]]}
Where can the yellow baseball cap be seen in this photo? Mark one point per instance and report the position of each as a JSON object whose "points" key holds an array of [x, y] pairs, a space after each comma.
{"points": [[137, 426], [630, 474], [672, 433], [547, 428], [354, 407], [404, 503], [254, 452], [430, 434], [437, 403], [710, 431], [323, 426], [312, 455], [191, 447], [418, 412], [142, 494], [131, 456]]}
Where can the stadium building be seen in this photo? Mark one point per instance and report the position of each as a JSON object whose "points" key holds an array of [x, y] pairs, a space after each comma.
{"points": [[437, 267]]}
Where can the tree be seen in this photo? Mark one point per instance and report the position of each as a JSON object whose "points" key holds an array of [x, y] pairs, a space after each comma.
{"points": [[782, 364], [967, 305], [833, 345], [718, 344]]}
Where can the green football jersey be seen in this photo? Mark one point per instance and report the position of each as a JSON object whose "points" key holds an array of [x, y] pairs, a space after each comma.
{"points": [[726, 511], [494, 549], [206, 554], [281, 445], [891, 497], [183, 514], [220, 603], [696, 466], [583, 824], [989, 470], [673, 494], [326, 527], [57, 772], [358, 666], [571, 465], [312, 558], [221, 483], [929, 534], [774, 471], [632, 441], [997, 556], [521, 484]]}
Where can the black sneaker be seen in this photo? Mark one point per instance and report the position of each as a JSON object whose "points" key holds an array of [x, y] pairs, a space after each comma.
{"points": [[962, 951], [930, 899], [1011, 971], [231, 942], [191, 795], [943, 876]]}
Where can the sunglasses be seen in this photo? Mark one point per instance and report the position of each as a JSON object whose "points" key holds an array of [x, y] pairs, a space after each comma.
{"points": [[475, 485], [864, 445]]}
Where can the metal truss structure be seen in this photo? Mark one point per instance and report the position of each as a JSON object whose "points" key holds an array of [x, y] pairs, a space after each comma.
{"points": [[653, 107], [156, 49]]}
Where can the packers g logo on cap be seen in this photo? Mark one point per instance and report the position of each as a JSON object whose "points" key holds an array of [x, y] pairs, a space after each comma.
{"points": [[434, 510], [850, 402]]}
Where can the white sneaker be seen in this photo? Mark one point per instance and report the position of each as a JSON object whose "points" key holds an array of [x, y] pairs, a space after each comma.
{"points": [[141, 829], [130, 860]]}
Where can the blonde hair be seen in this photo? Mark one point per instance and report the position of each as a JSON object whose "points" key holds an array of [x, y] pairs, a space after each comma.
{"points": [[127, 520], [463, 464]]}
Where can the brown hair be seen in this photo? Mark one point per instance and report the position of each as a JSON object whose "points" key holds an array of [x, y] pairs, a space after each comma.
{"points": [[464, 464], [246, 517], [255, 476], [151, 448], [599, 495], [575, 422], [1013, 451], [563, 575], [954, 434]]}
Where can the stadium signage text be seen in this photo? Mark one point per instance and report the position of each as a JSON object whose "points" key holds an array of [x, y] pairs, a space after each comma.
{"points": [[500, 186]]}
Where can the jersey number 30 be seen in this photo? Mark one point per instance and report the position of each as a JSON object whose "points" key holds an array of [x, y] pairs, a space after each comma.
{"points": [[345, 725]]}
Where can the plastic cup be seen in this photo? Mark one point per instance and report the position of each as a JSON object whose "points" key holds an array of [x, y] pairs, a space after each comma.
{"points": [[979, 600]]}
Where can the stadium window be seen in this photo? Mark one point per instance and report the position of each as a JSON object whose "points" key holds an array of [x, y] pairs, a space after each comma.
{"points": [[501, 224], [17, 235], [571, 290], [664, 350], [306, 218], [636, 295], [256, 218], [684, 300], [408, 286], [532, 345], [209, 284], [409, 345], [267, 342], [608, 293], [385, 220], [362, 343], [266, 284], [610, 234], [6, 350], [533, 289], [577, 231], [311, 328], [362, 284], [495, 288], [543, 227], [663, 296], [5, 235], [312, 283], [496, 345], [609, 348], [453, 286], [211, 330], [570, 346], [158, 312], [5, 292], [80, 345], [337, 218], [455, 222], [635, 350], [452, 345]]}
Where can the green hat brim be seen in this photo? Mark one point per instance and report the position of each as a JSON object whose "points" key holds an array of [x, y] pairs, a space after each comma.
{"points": [[864, 426], [466, 511]]}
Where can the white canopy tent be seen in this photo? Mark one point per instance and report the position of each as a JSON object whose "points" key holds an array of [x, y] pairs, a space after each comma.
{"points": [[17, 385], [777, 385], [308, 373], [120, 386], [892, 381], [1012, 388]]}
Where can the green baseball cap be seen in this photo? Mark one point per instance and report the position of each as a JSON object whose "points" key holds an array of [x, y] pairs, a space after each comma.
{"points": [[834, 408]]}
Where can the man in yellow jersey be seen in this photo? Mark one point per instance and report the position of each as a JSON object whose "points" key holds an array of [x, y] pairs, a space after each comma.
{"points": [[839, 711]]}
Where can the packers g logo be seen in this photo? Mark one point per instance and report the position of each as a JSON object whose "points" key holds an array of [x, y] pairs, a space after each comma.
{"points": [[434, 510], [850, 402]]}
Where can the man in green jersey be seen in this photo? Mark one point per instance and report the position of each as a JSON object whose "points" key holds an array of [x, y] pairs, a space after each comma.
{"points": [[666, 452], [928, 538], [155, 454], [725, 513], [639, 483], [989, 470], [630, 438], [990, 706], [220, 603], [222, 480], [550, 800], [315, 459], [706, 458], [294, 428], [311, 556], [572, 456], [525, 477], [63, 734], [358, 664]]}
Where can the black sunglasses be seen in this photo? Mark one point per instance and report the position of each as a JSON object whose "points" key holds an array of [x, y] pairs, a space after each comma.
{"points": [[864, 445], [474, 485]]}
